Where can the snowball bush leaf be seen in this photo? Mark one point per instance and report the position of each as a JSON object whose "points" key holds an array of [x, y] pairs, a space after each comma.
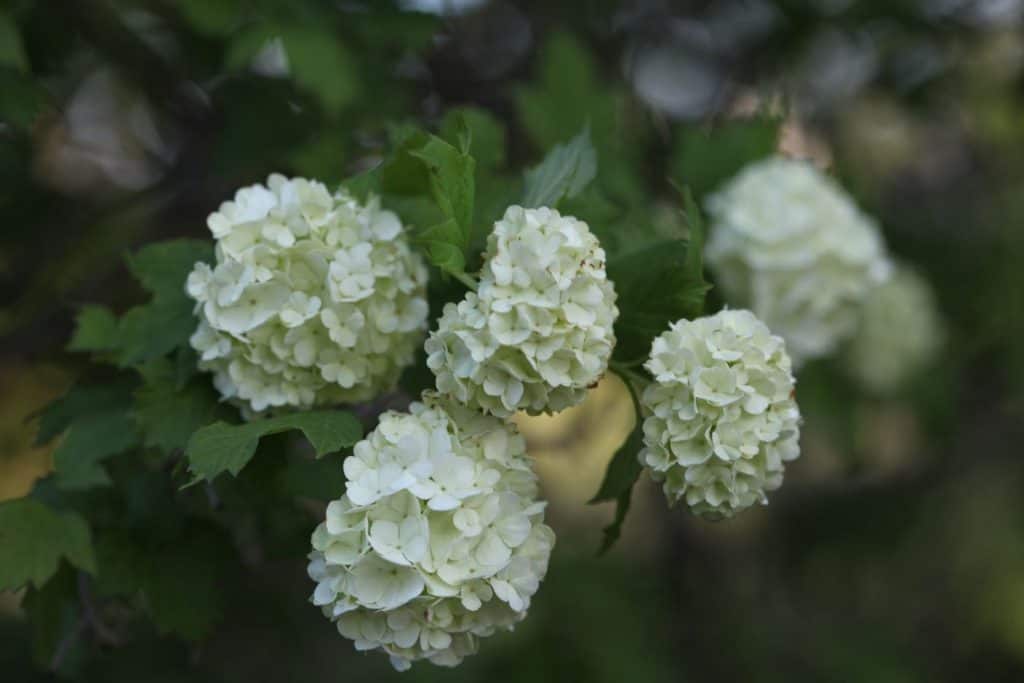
{"points": [[623, 471], [36, 538], [95, 330], [657, 285], [223, 447], [165, 323], [97, 424], [704, 159], [167, 414], [564, 173]]}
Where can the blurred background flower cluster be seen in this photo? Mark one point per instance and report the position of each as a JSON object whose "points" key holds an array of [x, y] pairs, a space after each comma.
{"points": [[895, 550]]}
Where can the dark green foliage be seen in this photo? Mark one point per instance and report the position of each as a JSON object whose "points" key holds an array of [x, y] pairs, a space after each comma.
{"points": [[658, 285], [564, 173], [35, 539], [703, 159], [222, 447]]}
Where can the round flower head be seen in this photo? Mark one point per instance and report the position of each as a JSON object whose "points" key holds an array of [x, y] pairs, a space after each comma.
{"points": [[439, 539], [788, 243], [899, 333], [721, 415], [538, 332], [314, 299]]}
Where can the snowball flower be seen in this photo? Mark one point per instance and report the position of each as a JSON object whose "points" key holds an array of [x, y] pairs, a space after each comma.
{"points": [[439, 539], [900, 332], [722, 420], [538, 332], [314, 298], [790, 244]]}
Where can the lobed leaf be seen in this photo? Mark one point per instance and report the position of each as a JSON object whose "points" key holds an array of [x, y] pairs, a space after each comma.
{"points": [[95, 330], [703, 160], [321, 64], [450, 172], [36, 538], [564, 173], [153, 329], [222, 447], [168, 412], [658, 285], [98, 424]]}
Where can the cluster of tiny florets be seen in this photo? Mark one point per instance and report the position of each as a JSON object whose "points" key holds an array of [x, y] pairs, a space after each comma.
{"points": [[439, 538], [539, 330], [722, 419], [314, 299], [789, 244], [899, 333]]}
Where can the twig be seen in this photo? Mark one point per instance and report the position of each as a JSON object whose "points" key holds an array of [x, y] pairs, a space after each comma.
{"points": [[64, 646], [212, 497], [103, 633]]}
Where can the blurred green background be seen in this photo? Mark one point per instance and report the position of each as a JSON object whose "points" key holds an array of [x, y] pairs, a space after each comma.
{"points": [[895, 550]]}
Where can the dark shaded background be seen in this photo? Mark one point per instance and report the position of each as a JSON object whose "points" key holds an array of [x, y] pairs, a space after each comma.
{"points": [[895, 552]]}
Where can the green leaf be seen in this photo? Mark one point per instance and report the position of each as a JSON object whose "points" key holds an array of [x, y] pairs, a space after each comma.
{"points": [[362, 185], [321, 64], [452, 183], [95, 330], [89, 441], [213, 17], [703, 160], [566, 94], [611, 533], [179, 577], [483, 129], [183, 584], [22, 99], [52, 613], [564, 172], [445, 256], [624, 468], [122, 565], [163, 267], [167, 321], [619, 479], [82, 399], [222, 447], [12, 52], [168, 414], [35, 539], [658, 285], [97, 419]]}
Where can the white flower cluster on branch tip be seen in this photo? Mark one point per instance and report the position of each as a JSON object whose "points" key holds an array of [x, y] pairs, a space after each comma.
{"points": [[439, 539], [539, 330], [900, 332], [314, 299], [722, 418], [789, 243]]}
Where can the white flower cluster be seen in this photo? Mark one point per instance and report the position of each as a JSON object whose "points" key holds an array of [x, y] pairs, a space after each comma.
{"points": [[315, 299], [788, 243], [439, 539], [538, 332], [722, 418], [900, 332]]}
